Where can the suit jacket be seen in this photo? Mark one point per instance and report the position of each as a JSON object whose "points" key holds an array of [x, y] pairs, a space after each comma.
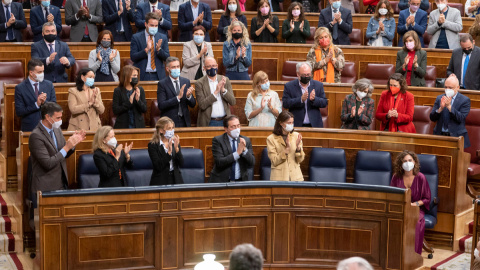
{"points": [[49, 169], [20, 22], [25, 102], [364, 119], [190, 60], [206, 99], [109, 168], [140, 57], [37, 19], [223, 159], [121, 105], [405, 110], [458, 114], [285, 168], [111, 18], [471, 80], [82, 115], [453, 26], [78, 26], [424, 5], [55, 71], [418, 74], [57, 3], [344, 29], [421, 20], [168, 102], [161, 165], [292, 100], [185, 20], [163, 26]]}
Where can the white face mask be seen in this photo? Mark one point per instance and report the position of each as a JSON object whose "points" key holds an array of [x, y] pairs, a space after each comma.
{"points": [[441, 6], [361, 95], [57, 124], [288, 127], [449, 92], [112, 142], [40, 77], [169, 134], [8, 2], [383, 11], [408, 166], [476, 253], [235, 133]]}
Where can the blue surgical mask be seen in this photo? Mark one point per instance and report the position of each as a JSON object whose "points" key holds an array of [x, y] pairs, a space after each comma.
{"points": [[175, 72], [46, 3], [152, 30], [198, 39], [336, 5], [265, 86], [90, 82]]}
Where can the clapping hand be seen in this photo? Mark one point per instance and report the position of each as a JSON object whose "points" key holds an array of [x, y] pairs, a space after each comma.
{"points": [[120, 7], [41, 99], [441, 18], [190, 91], [128, 148], [113, 54], [299, 141], [11, 20], [50, 17], [159, 13], [338, 16], [448, 102], [352, 112], [127, 3], [292, 25], [287, 145], [132, 96], [264, 102], [149, 45], [137, 93], [304, 96], [204, 49], [52, 57], [312, 95], [406, 60], [415, 64], [266, 22], [443, 103], [81, 12], [180, 94], [99, 56], [75, 139], [241, 145], [301, 26], [238, 53], [200, 17], [65, 61], [381, 26], [220, 85], [176, 142], [87, 12], [159, 44], [244, 51], [360, 110]]}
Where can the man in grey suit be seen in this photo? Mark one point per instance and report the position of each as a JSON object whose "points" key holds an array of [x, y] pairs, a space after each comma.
{"points": [[465, 63], [444, 24], [83, 16], [49, 150], [232, 154]]}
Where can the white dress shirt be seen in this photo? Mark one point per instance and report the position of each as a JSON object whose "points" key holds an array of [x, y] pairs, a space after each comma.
{"points": [[149, 54], [48, 47], [5, 13], [33, 87], [195, 10], [217, 107], [156, 8], [121, 20], [306, 120], [166, 151]]}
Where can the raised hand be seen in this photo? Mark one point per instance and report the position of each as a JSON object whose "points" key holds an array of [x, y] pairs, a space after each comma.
{"points": [[132, 96], [299, 141], [360, 110], [99, 56], [137, 93], [52, 57], [292, 25], [159, 44], [312, 95], [301, 26], [128, 147], [241, 145], [50, 17], [176, 142], [238, 52], [87, 12], [266, 22], [64, 61], [304, 96], [112, 55], [352, 112], [180, 94], [244, 51], [190, 91]]}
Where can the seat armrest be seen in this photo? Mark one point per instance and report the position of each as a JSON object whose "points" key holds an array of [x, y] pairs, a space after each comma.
{"points": [[472, 191]]}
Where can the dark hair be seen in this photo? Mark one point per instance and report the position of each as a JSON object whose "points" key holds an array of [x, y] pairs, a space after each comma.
{"points": [[238, 12], [398, 170], [246, 257], [413, 34], [390, 12], [100, 37], [150, 16], [171, 59], [400, 79], [466, 37], [228, 119], [50, 108], [259, 12], [282, 117], [199, 27], [79, 82], [302, 12], [125, 75], [33, 63]]}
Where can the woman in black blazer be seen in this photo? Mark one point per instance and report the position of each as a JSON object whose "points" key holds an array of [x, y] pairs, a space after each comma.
{"points": [[129, 103], [165, 153], [110, 158]]}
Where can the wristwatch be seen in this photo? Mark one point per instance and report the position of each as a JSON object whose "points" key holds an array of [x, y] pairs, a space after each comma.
{"points": [[417, 203]]}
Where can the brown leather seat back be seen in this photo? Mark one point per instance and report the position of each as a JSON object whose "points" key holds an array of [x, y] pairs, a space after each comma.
{"points": [[430, 76], [289, 70], [324, 112], [311, 38], [472, 123], [379, 73], [356, 37], [349, 73], [421, 119], [27, 34], [79, 64], [154, 113], [65, 33], [458, 6], [426, 39]]}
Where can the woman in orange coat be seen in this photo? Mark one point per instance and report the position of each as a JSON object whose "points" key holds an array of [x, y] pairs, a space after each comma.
{"points": [[396, 105]]}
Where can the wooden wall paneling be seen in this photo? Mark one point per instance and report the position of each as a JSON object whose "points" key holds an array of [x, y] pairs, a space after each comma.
{"points": [[170, 242], [52, 246]]}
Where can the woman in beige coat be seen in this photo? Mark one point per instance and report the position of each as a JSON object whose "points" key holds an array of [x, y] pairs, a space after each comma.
{"points": [[194, 53], [285, 150], [85, 102]]}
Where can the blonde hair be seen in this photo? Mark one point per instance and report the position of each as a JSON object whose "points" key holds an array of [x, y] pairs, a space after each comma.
{"points": [[161, 123], [259, 77], [245, 40], [100, 135], [320, 32]]}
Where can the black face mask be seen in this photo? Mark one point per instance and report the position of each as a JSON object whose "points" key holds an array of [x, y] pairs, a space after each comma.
{"points": [[467, 51], [237, 35], [134, 82], [212, 72], [50, 38], [153, 1], [305, 80]]}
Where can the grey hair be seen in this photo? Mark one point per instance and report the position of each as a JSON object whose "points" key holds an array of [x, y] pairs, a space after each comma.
{"points": [[246, 257], [171, 59], [301, 64], [363, 84], [361, 263], [466, 37], [48, 24]]}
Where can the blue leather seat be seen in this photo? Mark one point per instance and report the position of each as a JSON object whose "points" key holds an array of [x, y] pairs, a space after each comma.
{"points": [[373, 168], [328, 165], [265, 165], [141, 171], [193, 169], [88, 175], [429, 167]]}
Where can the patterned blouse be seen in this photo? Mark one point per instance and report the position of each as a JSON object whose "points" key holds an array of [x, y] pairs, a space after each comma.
{"points": [[318, 64]]}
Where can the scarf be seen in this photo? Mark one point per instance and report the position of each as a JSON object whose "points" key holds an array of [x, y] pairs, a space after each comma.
{"points": [[105, 54], [319, 74], [392, 125]]}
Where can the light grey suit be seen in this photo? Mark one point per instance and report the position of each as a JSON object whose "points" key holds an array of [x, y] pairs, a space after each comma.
{"points": [[190, 60], [453, 26], [78, 26]]}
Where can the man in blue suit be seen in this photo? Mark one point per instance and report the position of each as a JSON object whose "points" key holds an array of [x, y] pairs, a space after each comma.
{"points": [[162, 11], [31, 94], [304, 97], [404, 4], [450, 111], [54, 54], [339, 22], [191, 14], [412, 18], [149, 49], [117, 15], [12, 20], [42, 14], [175, 95]]}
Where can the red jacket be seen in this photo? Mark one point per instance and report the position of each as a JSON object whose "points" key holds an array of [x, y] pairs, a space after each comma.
{"points": [[405, 108]]}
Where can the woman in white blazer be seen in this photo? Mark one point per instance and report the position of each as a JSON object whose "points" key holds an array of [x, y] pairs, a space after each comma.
{"points": [[104, 60], [194, 52]]}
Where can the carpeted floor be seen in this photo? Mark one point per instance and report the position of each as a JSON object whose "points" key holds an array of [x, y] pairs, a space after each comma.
{"points": [[458, 261]]}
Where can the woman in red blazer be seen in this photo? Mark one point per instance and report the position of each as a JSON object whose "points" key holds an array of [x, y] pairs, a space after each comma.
{"points": [[396, 105]]}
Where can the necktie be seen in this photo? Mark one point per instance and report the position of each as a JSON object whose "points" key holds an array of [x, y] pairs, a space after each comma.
{"points": [[36, 89], [119, 23], [53, 138], [153, 8], [465, 65], [51, 48], [232, 172], [445, 118], [86, 26], [335, 28], [10, 29], [46, 13], [152, 55], [177, 91]]}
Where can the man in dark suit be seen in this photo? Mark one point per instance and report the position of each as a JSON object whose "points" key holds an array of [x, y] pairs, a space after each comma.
{"points": [[12, 21], [39, 15], [162, 11], [465, 63], [49, 150], [54, 54], [191, 14], [31, 94], [405, 4], [175, 95], [83, 16], [414, 19], [339, 22], [118, 14], [450, 111], [304, 97], [149, 49], [232, 154]]}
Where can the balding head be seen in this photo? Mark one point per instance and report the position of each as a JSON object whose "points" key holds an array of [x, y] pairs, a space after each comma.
{"points": [[209, 64], [452, 83], [210, 61]]}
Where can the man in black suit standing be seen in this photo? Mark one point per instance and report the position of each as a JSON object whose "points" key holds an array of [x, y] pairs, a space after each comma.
{"points": [[118, 14], [175, 94], [12, 21], [338, 20], [232, 154], [465, 63]]}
